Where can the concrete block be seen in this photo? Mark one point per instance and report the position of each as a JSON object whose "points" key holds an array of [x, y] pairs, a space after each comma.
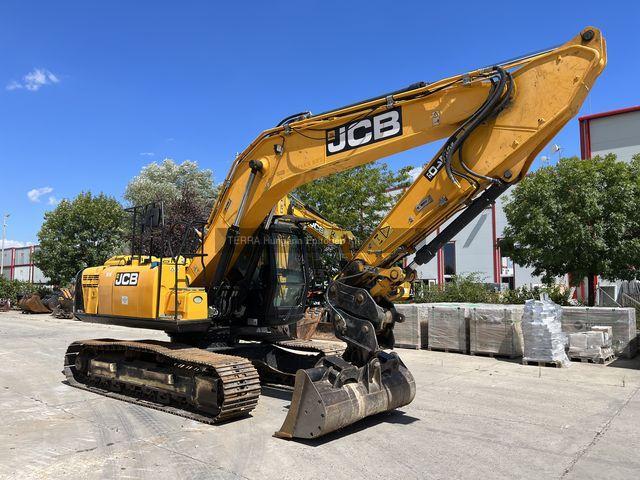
{"points": [[608, 330], [592, 345], [578, 341], [595, 339]]}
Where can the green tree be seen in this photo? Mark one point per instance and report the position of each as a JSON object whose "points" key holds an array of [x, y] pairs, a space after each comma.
{"points": [[579, 217], [187, 192], [356, 199], [169, 181], [80, 233]]}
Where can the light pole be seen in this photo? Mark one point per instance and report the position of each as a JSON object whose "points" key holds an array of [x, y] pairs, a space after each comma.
{"points": [[4, 236], [545, 160]]}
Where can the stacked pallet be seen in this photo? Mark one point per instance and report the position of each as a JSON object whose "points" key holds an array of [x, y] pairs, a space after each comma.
{"points": [[594, 345], [448, 328], [621, 320], [544, 341], [496, 330], [407, 333]]}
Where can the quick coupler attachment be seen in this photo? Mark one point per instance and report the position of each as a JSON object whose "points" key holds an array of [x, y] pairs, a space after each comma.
{"points": [[337, 393]]}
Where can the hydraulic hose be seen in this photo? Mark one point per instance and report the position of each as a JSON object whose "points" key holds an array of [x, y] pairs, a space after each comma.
{"points": [[497, 99]]}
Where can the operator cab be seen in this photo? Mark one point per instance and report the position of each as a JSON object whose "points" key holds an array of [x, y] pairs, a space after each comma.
{"points": [[267, 287]]}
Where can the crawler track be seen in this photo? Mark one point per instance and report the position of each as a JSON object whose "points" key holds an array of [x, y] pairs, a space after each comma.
{"points": [[234, 382]]}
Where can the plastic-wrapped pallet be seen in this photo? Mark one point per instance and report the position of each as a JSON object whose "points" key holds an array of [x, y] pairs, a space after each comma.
{"points": [[497, 330], [542, 332], [594, 345], [448, 328], [621, 320], [407, 333]]}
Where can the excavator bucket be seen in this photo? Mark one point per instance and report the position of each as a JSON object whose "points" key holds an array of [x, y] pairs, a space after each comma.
{"points": [[336, 393], [33, 304]]}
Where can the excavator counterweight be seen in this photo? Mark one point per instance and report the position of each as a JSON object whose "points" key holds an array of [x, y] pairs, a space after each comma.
{"points": [[227, 307]]}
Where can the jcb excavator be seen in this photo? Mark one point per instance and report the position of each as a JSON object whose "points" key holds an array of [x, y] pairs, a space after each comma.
{"points": [[224, 309]]}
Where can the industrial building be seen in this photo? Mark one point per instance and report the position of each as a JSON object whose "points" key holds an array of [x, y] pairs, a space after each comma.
{"points": [[17, 264], [615, 131]]}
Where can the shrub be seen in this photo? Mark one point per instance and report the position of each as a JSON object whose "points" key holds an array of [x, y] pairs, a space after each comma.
{"points": [[12, 289], [557, 293], [472, 288], [462, 288]]}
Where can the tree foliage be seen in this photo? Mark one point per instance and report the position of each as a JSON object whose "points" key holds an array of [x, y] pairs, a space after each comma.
{"points": [[579, 217], [356, 199], [79, 233], [188, 194]]}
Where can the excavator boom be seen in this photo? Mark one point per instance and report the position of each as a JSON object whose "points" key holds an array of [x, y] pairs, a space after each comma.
{"points": [[546, 90]]}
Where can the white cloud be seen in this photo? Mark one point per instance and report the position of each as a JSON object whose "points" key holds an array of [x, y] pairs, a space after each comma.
{"points": [[53, 201], [34, 80], [35, 194], [13, 85], [147, 154], [16, 244]]}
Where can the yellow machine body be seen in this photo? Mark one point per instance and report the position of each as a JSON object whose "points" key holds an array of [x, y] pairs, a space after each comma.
{"points": [[141, 292]]}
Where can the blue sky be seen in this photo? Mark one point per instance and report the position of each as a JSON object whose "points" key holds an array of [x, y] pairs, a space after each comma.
{"points": [[92, 91]]}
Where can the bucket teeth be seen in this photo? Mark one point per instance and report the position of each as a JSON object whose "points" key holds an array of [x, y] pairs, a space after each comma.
{"points": [[324, 400]]}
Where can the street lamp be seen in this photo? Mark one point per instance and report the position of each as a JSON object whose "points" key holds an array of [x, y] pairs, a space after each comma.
{"points": [[4, 236], [545, 160]]}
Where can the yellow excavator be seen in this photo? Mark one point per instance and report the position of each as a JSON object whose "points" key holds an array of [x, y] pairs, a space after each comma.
{"points": [[225, 308]]}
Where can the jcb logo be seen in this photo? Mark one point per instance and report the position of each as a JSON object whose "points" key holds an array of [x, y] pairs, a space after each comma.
{"points": [[365, 131], [127, 279]]}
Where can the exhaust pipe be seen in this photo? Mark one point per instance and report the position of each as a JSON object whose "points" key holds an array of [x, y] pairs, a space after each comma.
{"points": [[336, 393]]}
